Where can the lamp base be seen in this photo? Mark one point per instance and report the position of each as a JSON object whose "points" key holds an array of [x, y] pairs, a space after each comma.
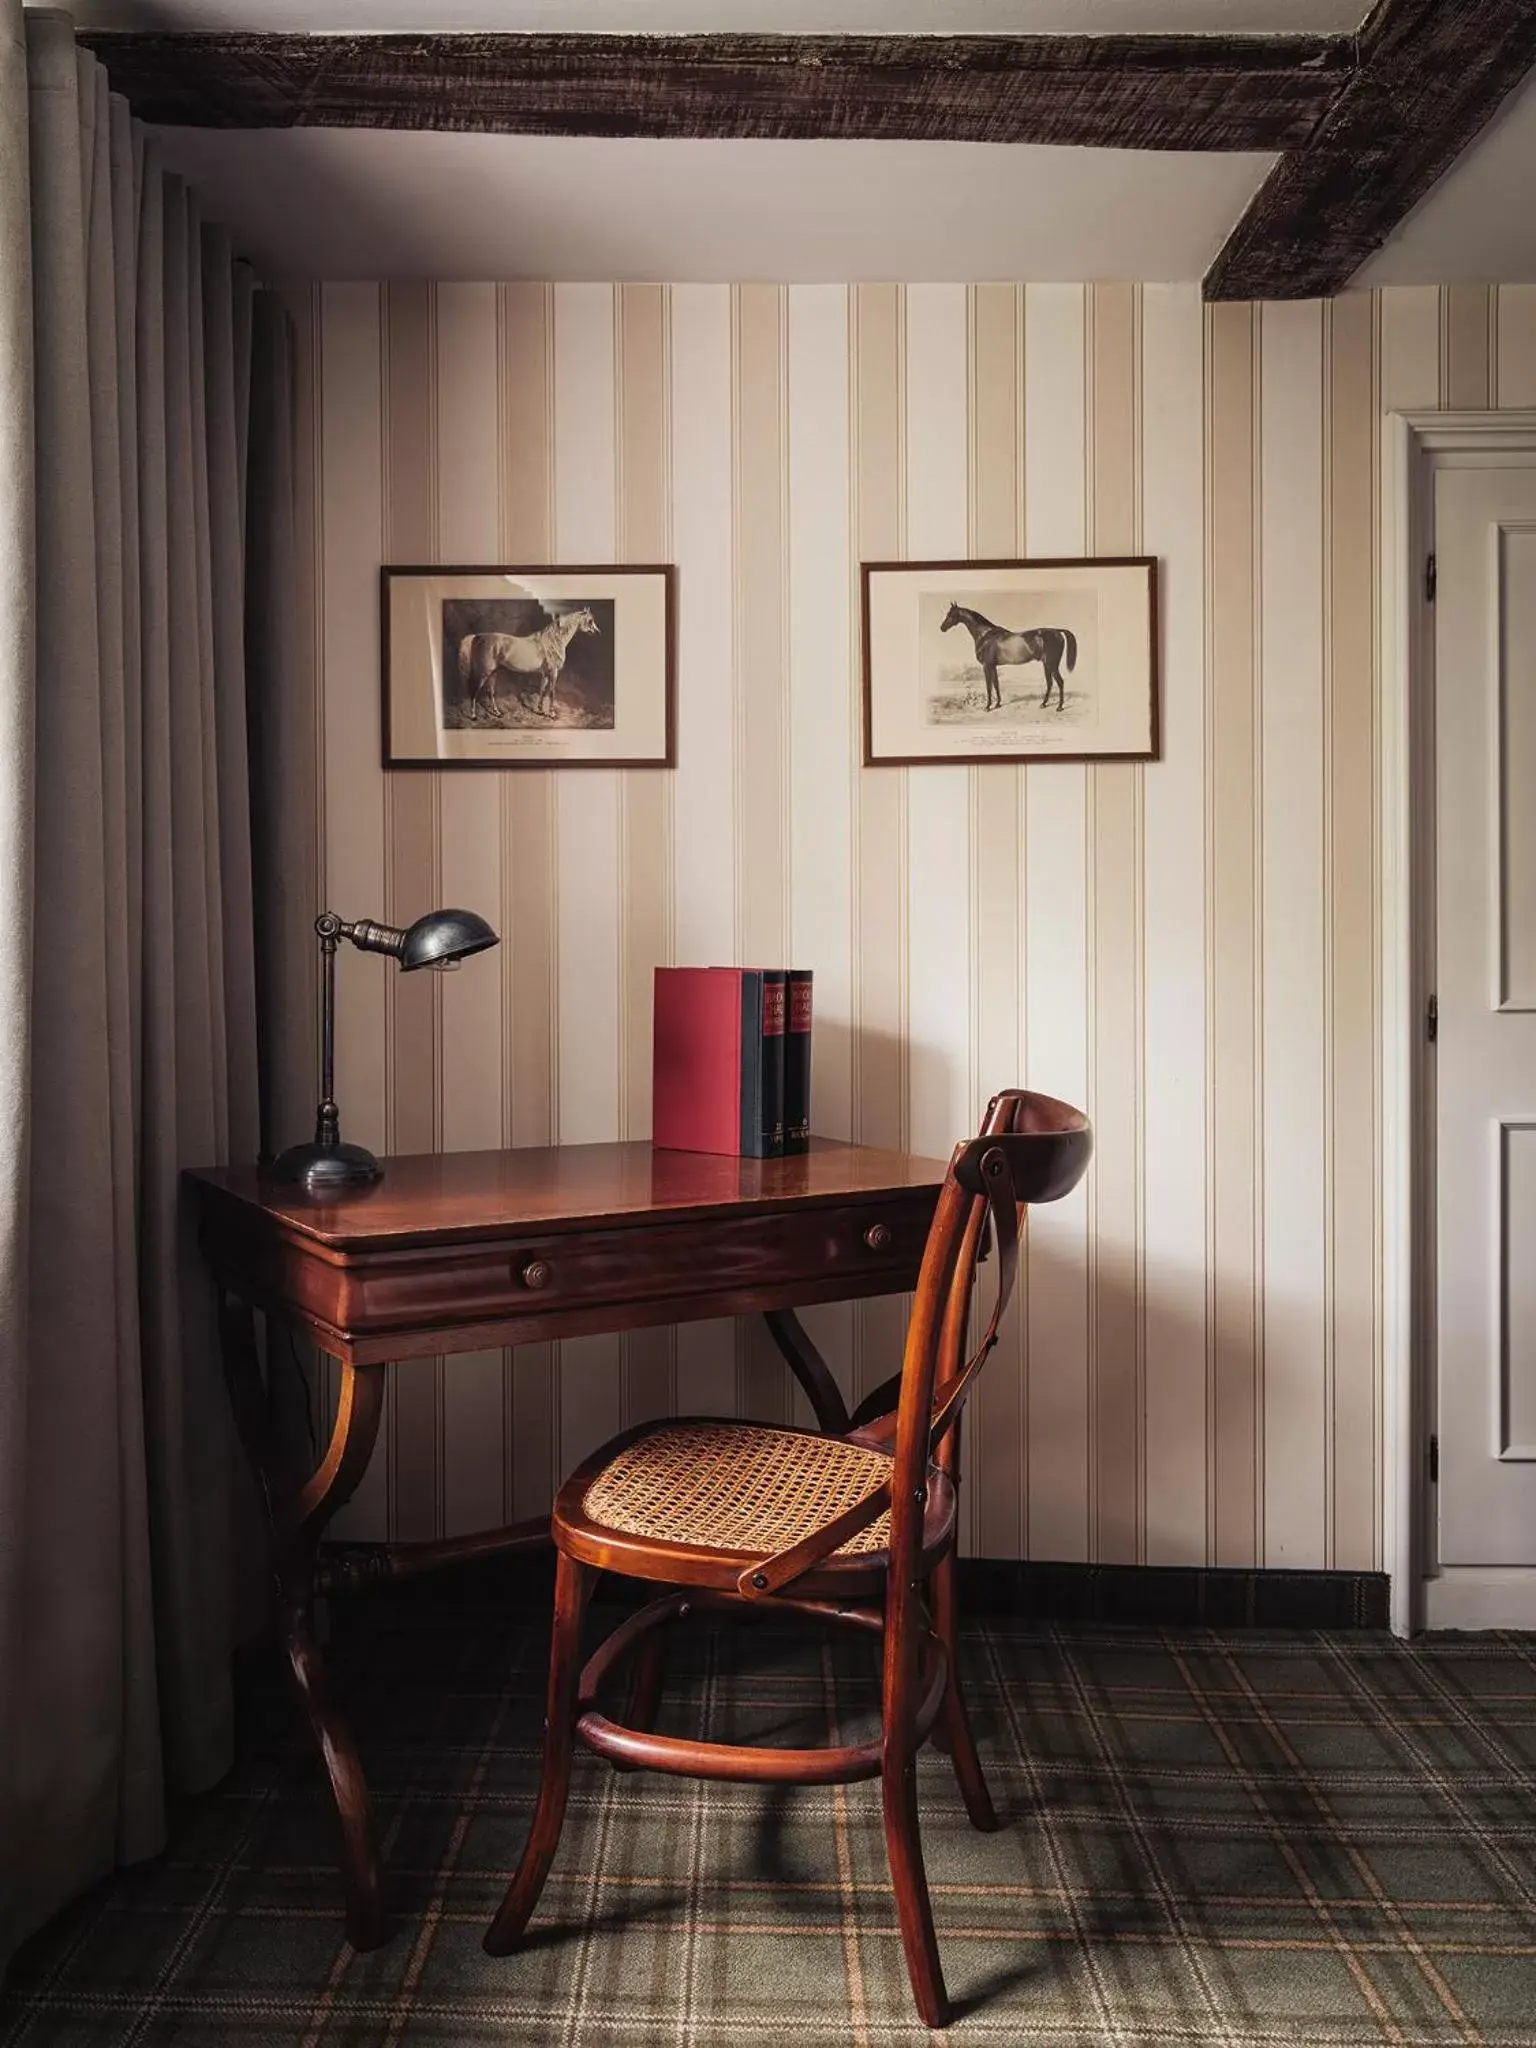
{"points": [[327, 1169]]}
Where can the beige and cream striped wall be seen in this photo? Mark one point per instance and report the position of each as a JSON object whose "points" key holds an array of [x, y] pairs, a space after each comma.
{"points": [[1188, 948]]}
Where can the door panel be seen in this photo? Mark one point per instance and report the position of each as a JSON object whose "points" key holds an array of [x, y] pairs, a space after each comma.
{"points": [[1517, 1406], [1485, 1062], [1516, 744]]}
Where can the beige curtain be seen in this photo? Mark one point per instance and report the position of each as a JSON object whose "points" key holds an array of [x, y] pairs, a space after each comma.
{"points": [[127, 964]]}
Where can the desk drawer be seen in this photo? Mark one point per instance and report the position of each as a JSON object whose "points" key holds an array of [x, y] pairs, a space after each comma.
{"points": [[542, 1276]]}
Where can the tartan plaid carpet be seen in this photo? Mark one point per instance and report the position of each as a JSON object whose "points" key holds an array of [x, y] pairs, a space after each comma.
{"points": [[1257, 1840]]}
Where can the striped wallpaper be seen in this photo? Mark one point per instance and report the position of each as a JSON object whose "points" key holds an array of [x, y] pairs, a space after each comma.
{"points": [[1188, 949]]}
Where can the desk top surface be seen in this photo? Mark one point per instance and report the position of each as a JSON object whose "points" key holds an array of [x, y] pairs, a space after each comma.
{"points": [[441, 1196]]}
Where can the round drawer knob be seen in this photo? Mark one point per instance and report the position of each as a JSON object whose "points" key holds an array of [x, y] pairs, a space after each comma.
{"points": [[537, 1273], [878, 1237]]}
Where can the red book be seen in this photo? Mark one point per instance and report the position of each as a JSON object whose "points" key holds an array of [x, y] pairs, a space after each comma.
{"points": [[717, 1061]]}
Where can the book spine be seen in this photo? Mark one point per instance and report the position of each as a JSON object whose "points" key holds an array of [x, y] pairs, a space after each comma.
{"points": [[797, 1061], [762, 1064], [750, 1107], [775, 1021]]}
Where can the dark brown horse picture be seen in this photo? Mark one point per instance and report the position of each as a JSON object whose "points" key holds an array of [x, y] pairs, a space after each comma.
{"points": [[1004, 647]]}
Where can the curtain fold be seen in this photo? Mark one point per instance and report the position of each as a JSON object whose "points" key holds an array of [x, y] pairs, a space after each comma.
{"points": [[281, 742], [128, 1027], [18, 641]]}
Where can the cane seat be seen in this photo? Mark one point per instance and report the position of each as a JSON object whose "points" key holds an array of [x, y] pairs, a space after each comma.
{"points": [[728, 1492]]}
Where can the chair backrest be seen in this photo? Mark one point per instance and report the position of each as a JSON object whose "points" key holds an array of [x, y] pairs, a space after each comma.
{"points": [[1030, 1148]]}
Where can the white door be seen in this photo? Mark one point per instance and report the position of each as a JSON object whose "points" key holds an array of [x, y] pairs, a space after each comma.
{"points": [[1485, 1047]]}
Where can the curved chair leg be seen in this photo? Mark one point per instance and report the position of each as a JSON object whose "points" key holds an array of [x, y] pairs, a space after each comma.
{"points": [[573, 1582], [904, 1624], [914, 1914], [645, 1691], [956, 1722]]}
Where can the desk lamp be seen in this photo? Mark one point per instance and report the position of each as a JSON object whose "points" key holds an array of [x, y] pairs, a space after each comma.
{"points": [[439, 940]]}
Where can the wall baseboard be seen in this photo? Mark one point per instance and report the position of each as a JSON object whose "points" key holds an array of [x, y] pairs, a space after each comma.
{"points": [[1174, 1596], [1157, 1596]]}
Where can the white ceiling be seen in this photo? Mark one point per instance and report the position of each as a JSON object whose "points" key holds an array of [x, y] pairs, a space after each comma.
{"points": [[352, 203], [784, 17], [1478, 225]]}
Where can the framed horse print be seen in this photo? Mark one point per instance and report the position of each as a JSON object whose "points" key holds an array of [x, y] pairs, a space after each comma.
{"points": [[528, 668], [1010, 661]]}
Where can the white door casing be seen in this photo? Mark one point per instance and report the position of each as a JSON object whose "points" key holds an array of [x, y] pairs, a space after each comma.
{"points": [[1418, 448]]}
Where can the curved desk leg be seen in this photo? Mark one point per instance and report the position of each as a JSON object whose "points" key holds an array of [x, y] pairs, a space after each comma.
{"points": [[810, 1369], [296, 1517]]}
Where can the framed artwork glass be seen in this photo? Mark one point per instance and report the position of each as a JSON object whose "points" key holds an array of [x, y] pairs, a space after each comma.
{"points": [[1010, 661], [528, 668]]}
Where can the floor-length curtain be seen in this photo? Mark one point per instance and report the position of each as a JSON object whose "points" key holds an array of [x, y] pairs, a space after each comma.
{"points": [[127, 970]]}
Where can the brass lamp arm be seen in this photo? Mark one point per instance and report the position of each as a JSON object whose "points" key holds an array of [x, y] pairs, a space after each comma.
{"points": [[365, 933]]}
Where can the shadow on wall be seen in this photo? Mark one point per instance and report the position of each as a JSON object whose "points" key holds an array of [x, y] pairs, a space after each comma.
{"points": [[1110, 1425]]}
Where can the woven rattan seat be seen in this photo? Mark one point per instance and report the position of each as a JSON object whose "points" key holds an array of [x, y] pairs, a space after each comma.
{"points": [[737, 1486]]}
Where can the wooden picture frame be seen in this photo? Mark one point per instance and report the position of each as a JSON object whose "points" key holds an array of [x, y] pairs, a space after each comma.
{"points": [[1073, 673], [514, 667]]}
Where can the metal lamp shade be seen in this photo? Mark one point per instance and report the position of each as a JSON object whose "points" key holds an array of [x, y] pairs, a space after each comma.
{"points": [[443, 937]]}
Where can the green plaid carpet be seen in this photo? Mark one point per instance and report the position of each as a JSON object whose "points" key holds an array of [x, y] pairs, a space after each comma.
{"points": [[1257, 1840]]}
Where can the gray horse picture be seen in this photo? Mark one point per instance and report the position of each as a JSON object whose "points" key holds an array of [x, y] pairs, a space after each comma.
{"points": [[523, 662]]}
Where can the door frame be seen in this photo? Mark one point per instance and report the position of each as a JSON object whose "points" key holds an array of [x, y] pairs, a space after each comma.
{"points": [[1414, 445]]}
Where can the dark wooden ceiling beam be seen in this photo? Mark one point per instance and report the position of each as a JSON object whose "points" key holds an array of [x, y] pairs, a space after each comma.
{"points": [[1431, 75], [1137, 92]]}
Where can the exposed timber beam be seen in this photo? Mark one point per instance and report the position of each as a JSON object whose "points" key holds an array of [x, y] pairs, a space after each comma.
{"points": [[1430, 75], [1131, 92]]}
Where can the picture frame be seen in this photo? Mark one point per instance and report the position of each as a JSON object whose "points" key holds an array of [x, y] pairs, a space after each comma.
{"points": [[528, 667], [1074, 674]]}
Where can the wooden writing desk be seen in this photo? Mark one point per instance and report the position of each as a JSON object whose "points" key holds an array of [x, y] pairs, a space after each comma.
{"points": [[470, 1251]]}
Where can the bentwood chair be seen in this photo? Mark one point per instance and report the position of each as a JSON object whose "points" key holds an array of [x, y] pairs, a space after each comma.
{"points": [[856, 1530]]}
